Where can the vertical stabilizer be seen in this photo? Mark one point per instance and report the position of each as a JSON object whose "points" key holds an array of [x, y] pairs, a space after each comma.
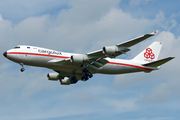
{"points": [[150, 54]]}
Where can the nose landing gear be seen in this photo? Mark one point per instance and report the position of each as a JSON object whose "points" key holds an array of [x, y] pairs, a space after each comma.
{"points": [[22, 69]]}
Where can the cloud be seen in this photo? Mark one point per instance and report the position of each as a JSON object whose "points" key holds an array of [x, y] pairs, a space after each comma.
{"points": [[18, 10]]}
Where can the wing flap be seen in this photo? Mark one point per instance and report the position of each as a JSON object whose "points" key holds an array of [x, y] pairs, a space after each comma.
{"points": [[96, 64], [158, 62]]}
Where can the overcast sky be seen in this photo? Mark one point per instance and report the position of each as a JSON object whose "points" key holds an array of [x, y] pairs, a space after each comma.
{"points": [[83, 26]]}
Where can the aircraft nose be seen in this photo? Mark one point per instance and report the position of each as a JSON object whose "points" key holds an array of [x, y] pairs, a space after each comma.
{"points": [[5, 54]]}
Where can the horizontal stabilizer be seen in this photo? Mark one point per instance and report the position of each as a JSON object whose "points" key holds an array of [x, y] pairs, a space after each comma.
{"points": [[158, 62]]}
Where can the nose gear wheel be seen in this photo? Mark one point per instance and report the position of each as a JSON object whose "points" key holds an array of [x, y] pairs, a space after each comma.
{"points": [[22, 69]]}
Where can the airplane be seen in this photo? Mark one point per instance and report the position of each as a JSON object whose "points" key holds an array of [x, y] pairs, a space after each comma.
{"points": [[70, 67]]}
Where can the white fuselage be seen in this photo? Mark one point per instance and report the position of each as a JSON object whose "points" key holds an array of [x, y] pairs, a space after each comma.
{"points": [[36, 56]]}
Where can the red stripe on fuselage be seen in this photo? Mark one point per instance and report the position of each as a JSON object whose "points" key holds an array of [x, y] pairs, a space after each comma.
{"points": [[130, 65], [69, 57], [22, 53]]}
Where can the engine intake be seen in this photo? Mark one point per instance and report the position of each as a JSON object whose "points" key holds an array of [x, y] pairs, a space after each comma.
{"points": [[111, 50], [79, 58], [53, 76], [65, 81], [68, 81]]}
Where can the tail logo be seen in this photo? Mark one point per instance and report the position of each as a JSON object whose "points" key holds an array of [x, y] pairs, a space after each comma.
{"points": [[149, 54]]}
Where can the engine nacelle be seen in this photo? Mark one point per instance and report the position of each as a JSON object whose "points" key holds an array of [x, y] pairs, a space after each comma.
{"points": [[53, 76], [110, 50], [78, 58], [65, 81]]}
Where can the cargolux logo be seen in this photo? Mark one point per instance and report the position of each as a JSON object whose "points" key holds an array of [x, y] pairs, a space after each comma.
{"points": [[149, 54]]}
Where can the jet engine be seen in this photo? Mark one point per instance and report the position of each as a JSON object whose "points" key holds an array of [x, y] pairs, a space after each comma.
{"points": [[53, 76], [78, 58], [68, 81], [111, 50], [65, 81]]}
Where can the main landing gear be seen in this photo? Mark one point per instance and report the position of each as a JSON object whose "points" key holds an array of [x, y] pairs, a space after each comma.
{"points": [[87, 75], [22, 69]]}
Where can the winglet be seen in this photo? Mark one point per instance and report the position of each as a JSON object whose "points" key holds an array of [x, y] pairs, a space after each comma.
{"points": [[155, 32]]}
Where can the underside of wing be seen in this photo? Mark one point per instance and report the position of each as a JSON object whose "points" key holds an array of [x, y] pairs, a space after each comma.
{"points": [[75, 68], [92, 63]]}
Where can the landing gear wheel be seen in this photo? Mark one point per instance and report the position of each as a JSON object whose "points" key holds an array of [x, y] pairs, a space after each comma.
{"points": [[74, 80], [90, 75], [84, 78], [22, 69]]}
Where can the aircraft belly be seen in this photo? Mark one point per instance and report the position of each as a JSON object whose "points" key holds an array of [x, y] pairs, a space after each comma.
{"points": [[67, 69]]}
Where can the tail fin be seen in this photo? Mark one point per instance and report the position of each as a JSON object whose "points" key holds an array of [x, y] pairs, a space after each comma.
{"points": [[150, 54]]}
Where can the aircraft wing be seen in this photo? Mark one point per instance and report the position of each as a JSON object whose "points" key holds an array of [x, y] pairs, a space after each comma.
{"points": [[114, 51], [92, 64]]}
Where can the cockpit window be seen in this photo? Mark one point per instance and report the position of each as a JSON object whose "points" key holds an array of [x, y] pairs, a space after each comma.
{"points": [[17, 47]]}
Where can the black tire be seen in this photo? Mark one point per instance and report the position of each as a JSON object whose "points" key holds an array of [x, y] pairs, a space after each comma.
{"points": [[74, 80], [22, 69], [85, 78], [90, 75]]}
